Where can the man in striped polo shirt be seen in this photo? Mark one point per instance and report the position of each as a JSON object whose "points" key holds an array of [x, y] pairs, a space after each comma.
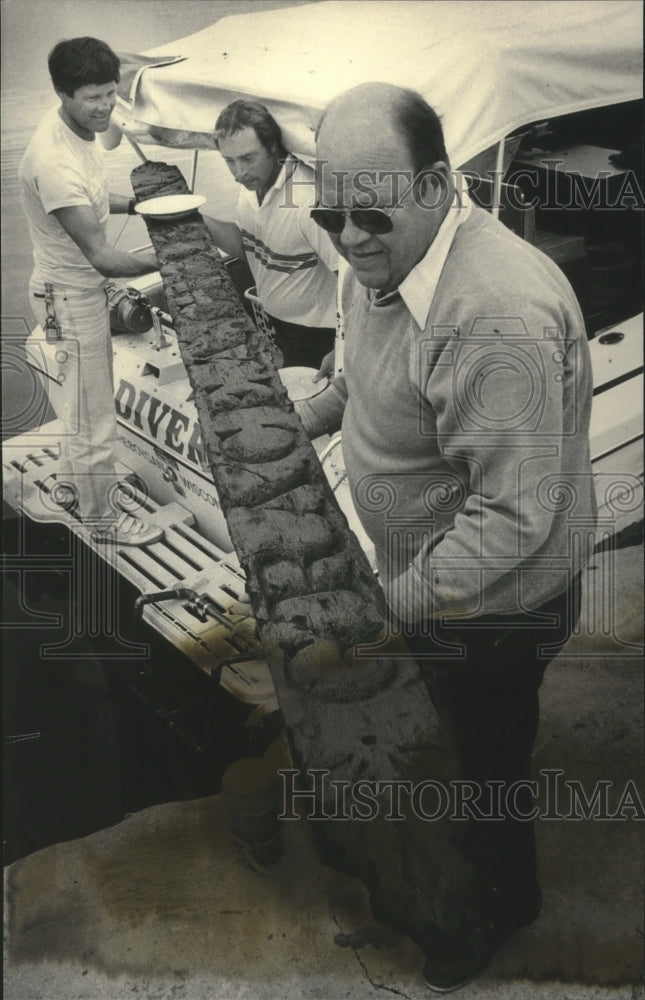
{"points": [[293, 262]]}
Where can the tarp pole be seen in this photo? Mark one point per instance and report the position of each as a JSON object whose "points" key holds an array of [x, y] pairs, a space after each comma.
{"points": [[193, 171], [142, 156], [497, 181]]}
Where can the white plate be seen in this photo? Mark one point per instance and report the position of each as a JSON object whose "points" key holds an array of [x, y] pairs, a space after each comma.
{"points": [[172, 206]]}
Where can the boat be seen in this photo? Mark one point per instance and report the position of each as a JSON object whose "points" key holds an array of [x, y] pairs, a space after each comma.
{"points": [[539, 104]]}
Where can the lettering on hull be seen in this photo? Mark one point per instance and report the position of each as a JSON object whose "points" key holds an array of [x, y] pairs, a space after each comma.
{"points": [[165, 425], [152, 459]]}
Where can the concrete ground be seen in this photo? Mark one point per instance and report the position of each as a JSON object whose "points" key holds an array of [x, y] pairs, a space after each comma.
{"points": [[163, 905]]}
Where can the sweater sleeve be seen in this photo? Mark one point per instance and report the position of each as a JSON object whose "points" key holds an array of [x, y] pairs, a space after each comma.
{"points": [[497, 396], [323, 414]]}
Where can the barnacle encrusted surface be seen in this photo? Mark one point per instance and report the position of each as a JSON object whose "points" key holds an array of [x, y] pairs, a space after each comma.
{"points": [[283, 518], [352, 718]]}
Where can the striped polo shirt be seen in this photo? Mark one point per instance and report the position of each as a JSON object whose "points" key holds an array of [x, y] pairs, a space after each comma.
{"points": [[292, 260]]}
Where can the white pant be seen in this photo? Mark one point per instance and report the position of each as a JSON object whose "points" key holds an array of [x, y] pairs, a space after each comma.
{"points": [[82, 394]]}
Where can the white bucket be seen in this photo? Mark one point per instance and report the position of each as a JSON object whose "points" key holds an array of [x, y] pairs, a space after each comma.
{"points": [[333, 463], [299, 383]]}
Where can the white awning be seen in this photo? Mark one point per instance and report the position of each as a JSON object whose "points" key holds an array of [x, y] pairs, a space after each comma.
{"points": [[487, 67]]}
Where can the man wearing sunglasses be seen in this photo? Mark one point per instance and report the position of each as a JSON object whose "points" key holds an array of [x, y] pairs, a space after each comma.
{"points": [[464, 403]]}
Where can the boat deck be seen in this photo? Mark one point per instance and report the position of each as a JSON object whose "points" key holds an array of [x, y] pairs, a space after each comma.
{"points": [[202, 575]]}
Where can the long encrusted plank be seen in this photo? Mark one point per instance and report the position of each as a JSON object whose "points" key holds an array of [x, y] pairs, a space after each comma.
{"points": [[350, 718]]}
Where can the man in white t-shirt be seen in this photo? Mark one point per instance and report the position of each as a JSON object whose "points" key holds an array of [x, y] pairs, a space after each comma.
{"points": [[64, 193], [293, 263]]}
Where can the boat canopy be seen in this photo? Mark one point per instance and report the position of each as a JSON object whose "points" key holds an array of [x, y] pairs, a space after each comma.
{"points": [[487, 67]]}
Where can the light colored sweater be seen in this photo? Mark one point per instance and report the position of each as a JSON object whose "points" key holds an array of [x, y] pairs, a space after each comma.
{"points": [[466, 442]]}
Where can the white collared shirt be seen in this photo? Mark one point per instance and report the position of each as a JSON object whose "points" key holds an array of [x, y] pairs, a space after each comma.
{"points": [[292, 260], [418, 288]]}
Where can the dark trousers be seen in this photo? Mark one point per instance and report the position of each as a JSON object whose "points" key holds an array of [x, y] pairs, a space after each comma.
{"points": [[302, 345], [488, 703]]}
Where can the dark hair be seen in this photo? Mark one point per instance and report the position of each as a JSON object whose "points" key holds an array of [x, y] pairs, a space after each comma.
{"points": [[77, 62], [249, 114], [420, 127]]}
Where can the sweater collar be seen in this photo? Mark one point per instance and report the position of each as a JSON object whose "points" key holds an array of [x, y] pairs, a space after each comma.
{"points": [[418, 288]]}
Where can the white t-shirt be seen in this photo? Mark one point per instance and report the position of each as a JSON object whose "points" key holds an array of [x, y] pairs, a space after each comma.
{"points": [[59, 170], [292, 260]]}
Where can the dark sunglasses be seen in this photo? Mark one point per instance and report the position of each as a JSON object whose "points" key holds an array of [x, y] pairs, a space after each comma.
{"points": [[376, 221], [371, 220]]}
